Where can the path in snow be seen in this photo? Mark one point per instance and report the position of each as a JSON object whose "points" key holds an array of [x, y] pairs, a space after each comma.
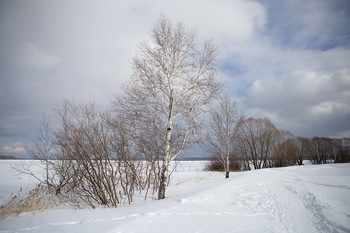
{"points": [[294, 199]]}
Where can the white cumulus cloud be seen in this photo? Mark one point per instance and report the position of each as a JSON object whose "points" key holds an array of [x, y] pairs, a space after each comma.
{"points": [[14, 148]]}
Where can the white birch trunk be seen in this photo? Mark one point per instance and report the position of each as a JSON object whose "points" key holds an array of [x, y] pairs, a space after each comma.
{"points": [[228, 143], [228, 163], [167, 158]]}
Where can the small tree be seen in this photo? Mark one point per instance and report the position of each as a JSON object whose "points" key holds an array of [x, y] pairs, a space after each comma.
{"points": [[221, 131], [173, 77]]}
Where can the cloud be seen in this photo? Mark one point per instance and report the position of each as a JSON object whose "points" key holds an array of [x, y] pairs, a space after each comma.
{"points": [[303, 99], [14, 148], [316, 24], [234, 21], [227, 22]]}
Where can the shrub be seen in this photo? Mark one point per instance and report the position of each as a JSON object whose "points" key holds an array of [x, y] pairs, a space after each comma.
{"points": [[216, 165]]}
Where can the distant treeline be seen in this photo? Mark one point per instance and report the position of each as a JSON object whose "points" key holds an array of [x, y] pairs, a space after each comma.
{"points": [[321, 150], [293, 151], [7, 157], [258, 143]]}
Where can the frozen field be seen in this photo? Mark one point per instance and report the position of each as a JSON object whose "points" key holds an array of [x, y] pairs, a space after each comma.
{"points": [[293, 199]]}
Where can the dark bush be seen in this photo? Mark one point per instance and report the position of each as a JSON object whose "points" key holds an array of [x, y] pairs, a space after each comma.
{"points": [[214, 164]]}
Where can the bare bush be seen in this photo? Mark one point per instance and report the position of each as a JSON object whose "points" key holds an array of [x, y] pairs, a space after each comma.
{"points": [[215, 164], [56, 169], [92, 158]]}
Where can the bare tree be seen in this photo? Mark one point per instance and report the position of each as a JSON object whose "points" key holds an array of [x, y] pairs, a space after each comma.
{"points": [[344, 156], [320, 150], [221, 131], [285, 150], [303, 147], [323, 150], [173, 77], [256, 139]]}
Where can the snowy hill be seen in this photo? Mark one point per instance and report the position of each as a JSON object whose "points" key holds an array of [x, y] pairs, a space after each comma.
{"points": [[293, 199]]}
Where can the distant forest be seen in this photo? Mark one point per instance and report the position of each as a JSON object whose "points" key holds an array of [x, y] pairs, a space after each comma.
{"points": [[7, 157]]}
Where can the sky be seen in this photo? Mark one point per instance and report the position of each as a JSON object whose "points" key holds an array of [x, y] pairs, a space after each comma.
{"points": [[285, 60]]}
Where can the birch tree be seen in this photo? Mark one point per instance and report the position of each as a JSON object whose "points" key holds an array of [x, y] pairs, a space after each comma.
{"points": [[221, 131], [173, 78]]}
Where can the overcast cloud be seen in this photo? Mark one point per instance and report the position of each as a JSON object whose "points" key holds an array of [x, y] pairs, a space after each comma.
{"points": [[286, 60]]}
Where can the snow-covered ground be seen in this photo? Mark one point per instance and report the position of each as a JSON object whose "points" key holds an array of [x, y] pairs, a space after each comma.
{"points": [[294, 199]]}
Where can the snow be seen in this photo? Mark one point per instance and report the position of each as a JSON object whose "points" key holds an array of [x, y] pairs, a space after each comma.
{"points": [[311, 198]]}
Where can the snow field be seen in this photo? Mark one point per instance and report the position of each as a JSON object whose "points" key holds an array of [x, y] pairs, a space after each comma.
{"points": [[293, 199]]}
